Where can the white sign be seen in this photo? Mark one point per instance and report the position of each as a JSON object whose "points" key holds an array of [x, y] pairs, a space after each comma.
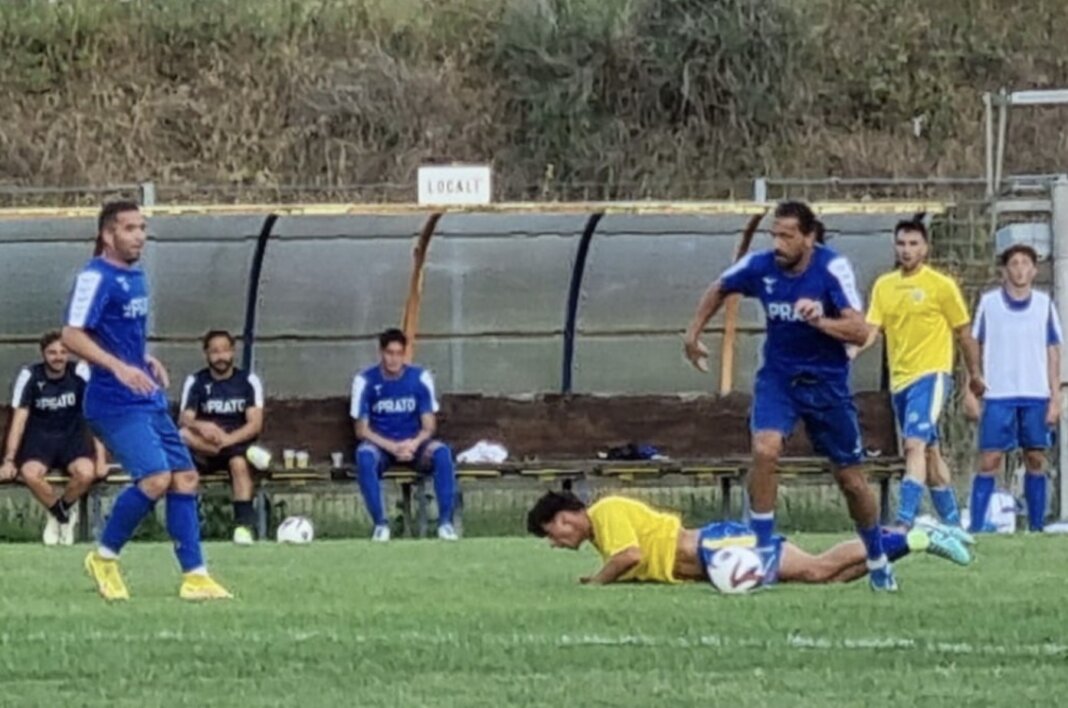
{"points": [[450, 185]]}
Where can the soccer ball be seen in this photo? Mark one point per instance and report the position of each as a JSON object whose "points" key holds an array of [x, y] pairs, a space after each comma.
{"points": [[295, 529], [735, 570]]}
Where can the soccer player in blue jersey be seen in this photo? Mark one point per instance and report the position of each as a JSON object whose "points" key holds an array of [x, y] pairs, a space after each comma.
{"points": [[393, 409], [107, 325], [813, 312]]}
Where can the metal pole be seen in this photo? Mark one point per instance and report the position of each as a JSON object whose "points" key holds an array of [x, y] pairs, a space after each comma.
{"points": [[988, 110], [148, 193], [1060, 294], [1003, 126]]}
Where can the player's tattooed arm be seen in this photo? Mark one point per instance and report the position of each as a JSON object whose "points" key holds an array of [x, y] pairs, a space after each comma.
{"points": [[617, 566], [711, 302]]}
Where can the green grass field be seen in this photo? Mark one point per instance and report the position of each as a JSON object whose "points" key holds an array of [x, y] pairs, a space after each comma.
{"points": [[492, 622]]}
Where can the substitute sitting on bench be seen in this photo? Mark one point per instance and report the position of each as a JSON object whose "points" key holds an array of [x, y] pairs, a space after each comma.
{"points": [[222, 414], [47, 431], [394, 406]]}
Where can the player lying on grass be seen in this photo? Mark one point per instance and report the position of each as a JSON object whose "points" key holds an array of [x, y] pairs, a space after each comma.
{"points": [[639, 543]]}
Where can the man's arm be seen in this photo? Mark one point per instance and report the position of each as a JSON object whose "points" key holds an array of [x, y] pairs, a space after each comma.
{"points": [[364, 432], [848, 327], [617, 566], [973, 360], [15, 430], [1053, 364], [249, 431], [82, 345], [254, 403], [707, 307]]}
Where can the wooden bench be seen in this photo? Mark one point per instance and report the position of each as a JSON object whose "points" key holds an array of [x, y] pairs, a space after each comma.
{"points": [[725, 473]]}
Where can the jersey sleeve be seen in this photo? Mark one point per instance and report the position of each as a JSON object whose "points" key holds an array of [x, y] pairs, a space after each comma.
{"points": [[875, 315], [843, 285], [953, 306], [427, 398], [979, 322], [255, 397], [190, 394], [22, 391], [87, 300], [741, 278], [1053, 327], [360, 406], [613, 530]]}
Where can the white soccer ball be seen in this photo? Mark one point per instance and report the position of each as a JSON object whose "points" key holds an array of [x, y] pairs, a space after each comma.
{"points": [[295, 529], [735, 570]]}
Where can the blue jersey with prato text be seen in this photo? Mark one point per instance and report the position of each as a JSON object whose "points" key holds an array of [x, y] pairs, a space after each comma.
{"points": [[393, 406], [110, 303], [792, 345]]}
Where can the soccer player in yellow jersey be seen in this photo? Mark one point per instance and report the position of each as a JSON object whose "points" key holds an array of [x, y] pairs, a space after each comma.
{"points": [[920, 310], [639, 543]]}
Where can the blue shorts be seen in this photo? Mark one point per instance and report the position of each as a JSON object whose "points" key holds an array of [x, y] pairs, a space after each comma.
{"points": [[1014, 424], [919, 405], [721, 534], [144, 442], [422, 462], [824, 404]]}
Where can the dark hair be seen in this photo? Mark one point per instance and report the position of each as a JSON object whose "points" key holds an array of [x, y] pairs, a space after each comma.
{"points": [[108, 213], [214, 334], [390, 336], [546, 509], [1015, 248], [111, 210], [806, 220], [911, 225], [821, 232], [50, 338]]}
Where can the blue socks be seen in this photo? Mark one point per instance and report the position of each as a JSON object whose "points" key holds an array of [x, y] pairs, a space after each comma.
{"points": [[764, 527], [873, 542], [367, 461], [1035, 492], [982, 489], [131, 507], [945, 503], [911, 495], [444, 483], [183, 525], [895, 544]]}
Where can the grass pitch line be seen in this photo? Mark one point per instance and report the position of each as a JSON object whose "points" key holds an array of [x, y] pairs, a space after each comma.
{"points": [[799, 642]]}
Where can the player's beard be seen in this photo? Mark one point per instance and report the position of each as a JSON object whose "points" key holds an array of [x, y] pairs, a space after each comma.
{"points": [[223, 366], [786, 263]]}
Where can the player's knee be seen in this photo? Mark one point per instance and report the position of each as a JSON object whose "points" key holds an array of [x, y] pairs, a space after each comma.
{"points": [[83, 471], [990, 462], [33, 472], [185, 482], [851, 480], [1035, 460], [441, 456], [239, 469], [155, 485], [915, 446], [767, 448]]}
